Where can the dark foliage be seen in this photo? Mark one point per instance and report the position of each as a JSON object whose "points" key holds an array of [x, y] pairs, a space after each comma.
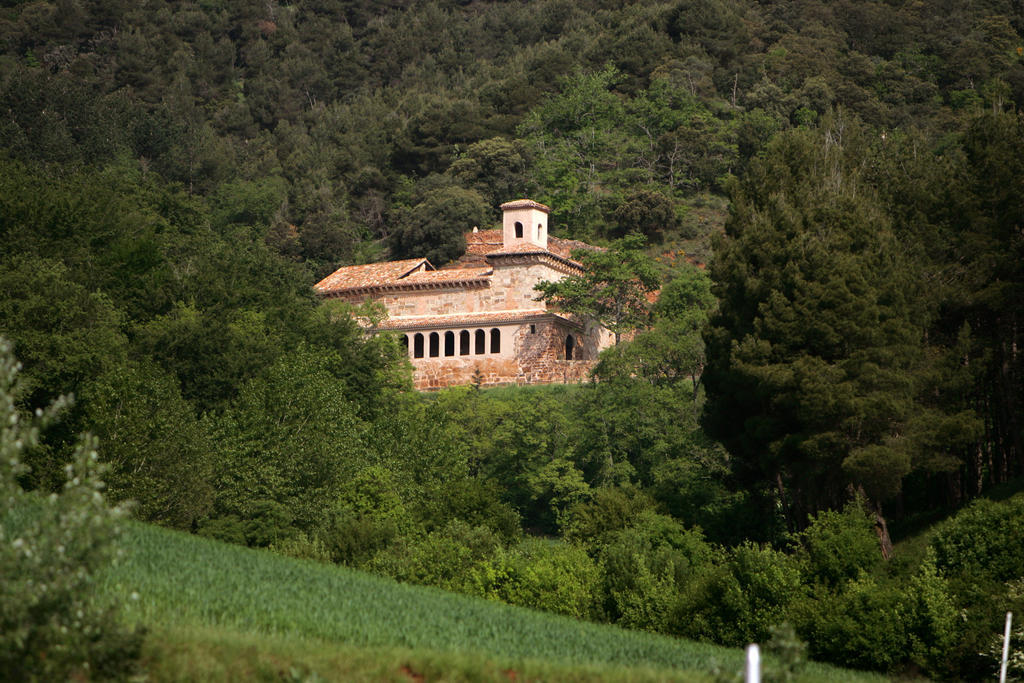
{"points": [[175, 176]]}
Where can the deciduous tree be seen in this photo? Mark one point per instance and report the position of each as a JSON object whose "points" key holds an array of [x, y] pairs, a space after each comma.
{"points": [[613, 290]]}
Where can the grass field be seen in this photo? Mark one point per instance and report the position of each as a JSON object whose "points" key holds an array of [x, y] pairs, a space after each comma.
{"points": [[238, 613]]}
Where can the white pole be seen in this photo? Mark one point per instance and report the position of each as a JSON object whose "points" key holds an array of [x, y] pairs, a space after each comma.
{"points": [[753, 664], [1006, 647]]}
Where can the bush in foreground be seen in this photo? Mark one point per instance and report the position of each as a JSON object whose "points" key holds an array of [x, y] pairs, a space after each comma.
{"points": [[51, 625]]}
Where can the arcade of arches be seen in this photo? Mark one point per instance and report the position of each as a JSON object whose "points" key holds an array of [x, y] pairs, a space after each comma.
{"points": [[443, 344], [529, 352]]}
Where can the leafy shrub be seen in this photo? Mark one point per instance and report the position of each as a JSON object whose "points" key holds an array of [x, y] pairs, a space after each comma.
{"points": [[647, 566], [434, 228], [788, 651], [883, 624], [595, 522], [981, 619], [51, 624], [862, 626], [370, 513], [837, 546], [736, 516], [227, 528], [980, 552], [739, 600], [645, 599], [353, 539], [266, 522], [445, 558], [983, 541], [156, 448], [475, 502], [933, 620], [994, 652], [281, 462], [544, 575], [645, 212]]}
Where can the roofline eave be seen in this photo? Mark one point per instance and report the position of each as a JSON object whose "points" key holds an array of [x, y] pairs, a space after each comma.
{"points": [[468, 322], [540, 255], [475, 283]]}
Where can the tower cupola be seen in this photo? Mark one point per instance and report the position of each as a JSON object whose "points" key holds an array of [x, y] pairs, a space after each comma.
{"points": [[524, 220]]}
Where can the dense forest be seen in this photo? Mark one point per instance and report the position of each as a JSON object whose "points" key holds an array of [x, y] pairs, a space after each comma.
{"points": [[175, 176]]}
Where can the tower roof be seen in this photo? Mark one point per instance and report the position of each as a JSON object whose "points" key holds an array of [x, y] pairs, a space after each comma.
{"points": [[525, 204]]}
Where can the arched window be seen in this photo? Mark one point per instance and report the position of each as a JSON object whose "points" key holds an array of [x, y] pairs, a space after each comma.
{"points": [[435, 344], [464, 343], [570, 346], [417, 346], [481, 342], [495, 340], [449, 343], [540, 229], [519, 230], [405, 343]]}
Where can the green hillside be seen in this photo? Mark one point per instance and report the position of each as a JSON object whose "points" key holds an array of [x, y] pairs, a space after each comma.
{"points": [[242, 598], [832, 193]]}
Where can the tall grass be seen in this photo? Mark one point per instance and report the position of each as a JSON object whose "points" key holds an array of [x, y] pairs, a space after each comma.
{"points": [[181, 579]]}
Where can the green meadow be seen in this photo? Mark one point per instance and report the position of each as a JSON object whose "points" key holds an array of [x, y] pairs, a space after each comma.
{"points": [[221, 611]]}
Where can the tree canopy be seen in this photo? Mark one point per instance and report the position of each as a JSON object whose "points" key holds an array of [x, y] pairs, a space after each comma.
{"points": [[828, 349], [612, 291], [175, 176]]}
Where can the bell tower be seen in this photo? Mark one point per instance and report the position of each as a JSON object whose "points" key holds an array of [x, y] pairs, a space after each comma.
{"points": [[524, 220]]}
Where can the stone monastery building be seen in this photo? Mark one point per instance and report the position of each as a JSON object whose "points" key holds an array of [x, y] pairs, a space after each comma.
{"points": [[478, 317]]}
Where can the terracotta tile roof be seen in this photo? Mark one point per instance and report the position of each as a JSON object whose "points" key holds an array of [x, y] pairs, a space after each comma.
{"points": [[560, 252], [399, 275], [368, 275], [414, 322], [525, 204], [486, 242], [519, 246], [564, 248], [450, 275], [471, 267], [483, 242], [467, 261]]}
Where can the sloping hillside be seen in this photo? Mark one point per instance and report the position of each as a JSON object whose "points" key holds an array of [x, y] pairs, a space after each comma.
{"points": [[244, 610]]}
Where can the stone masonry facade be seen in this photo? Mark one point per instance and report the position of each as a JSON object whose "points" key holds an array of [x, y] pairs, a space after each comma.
{"points": [[536, 357], [478, 320]]}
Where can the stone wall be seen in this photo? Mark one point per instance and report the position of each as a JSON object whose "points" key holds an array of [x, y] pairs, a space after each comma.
{"points": [[475, 299], [541, 355], [516, 280], [510, 289], [538, 358], [435, 373]]}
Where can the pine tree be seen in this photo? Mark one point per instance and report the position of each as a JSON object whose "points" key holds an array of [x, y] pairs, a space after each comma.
{"points": [[817, 356]]}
